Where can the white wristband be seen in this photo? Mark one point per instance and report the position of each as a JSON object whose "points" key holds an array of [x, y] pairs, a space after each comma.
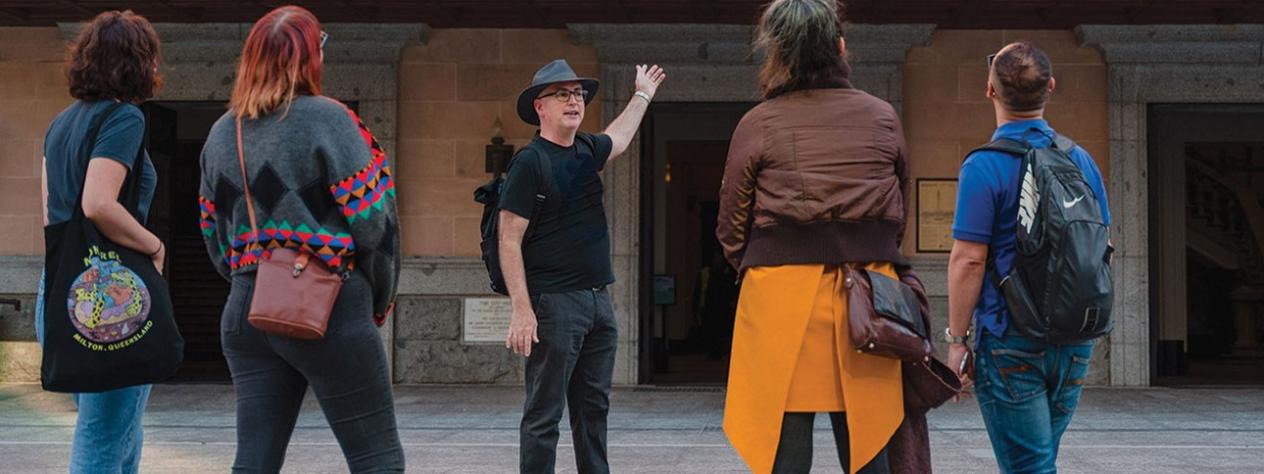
{"points": [[643, 96]]}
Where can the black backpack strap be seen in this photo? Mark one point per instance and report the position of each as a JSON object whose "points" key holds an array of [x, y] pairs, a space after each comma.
{"points": [[990, 269], [1063, 143], [1003, 145], [540, 197], [543, 157], [1018, 150], [546, 174]]}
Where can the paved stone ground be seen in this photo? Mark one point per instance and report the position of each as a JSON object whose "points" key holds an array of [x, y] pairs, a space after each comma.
{"points": [[189, 428]]}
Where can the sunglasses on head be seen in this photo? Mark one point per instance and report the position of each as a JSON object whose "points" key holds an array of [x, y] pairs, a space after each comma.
{"points": [[990, 59], [323, 38]]}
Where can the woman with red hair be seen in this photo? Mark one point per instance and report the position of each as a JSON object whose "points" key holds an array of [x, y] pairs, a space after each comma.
{"points": [[310, 178]]}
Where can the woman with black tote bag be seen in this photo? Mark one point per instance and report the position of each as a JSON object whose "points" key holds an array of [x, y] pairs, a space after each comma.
{"points": [[103, 312]]}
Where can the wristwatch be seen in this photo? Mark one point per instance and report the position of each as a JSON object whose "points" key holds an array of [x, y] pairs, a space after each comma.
{"points": [[951, 339]]}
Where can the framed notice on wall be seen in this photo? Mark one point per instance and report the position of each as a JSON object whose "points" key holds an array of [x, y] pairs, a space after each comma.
{"points": [[936, 204]]}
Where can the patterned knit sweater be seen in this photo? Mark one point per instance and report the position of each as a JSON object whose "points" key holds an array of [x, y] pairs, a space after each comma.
{"points": [[321, 184]]}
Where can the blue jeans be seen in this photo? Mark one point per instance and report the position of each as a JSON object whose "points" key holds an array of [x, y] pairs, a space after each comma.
{"points": [[108, 431], [1028, 391]]}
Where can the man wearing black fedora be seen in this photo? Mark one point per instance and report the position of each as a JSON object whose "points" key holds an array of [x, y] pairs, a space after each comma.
{"points": [[558, 270]]}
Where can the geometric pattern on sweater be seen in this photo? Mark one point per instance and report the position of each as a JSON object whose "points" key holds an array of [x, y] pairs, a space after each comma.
{"points": [[325, 199], [268, 189], [206, 216], [362, 193], [333, 248]]}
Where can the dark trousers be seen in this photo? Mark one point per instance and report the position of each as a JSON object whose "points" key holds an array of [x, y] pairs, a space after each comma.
{"points": [[794, 452], [571, 366], [346, 370]]}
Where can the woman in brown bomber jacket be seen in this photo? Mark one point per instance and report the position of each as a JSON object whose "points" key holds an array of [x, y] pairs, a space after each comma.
{"points": [[816, 178]]}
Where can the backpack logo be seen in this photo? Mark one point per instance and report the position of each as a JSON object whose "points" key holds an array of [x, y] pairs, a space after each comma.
{"points": [[1072, 203], [1028, 202]]}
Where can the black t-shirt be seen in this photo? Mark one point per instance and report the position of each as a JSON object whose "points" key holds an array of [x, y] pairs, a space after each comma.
{"points": [[567, 246]]}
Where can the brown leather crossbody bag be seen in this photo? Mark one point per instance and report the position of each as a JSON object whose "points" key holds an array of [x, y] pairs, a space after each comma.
{"points": [[885, 316], [294, 293]]}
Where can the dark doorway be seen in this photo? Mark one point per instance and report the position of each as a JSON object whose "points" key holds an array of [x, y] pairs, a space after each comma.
{"points": [[689, 290], [177, 130], [1207, 249]]}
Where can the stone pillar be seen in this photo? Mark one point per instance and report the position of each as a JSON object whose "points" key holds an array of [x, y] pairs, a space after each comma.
{"points": [[1150, 64], [705, 63], [1246, 303]]}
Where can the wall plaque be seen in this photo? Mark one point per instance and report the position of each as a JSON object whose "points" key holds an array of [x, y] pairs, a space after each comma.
{"points": [[486, 320], [936, 204]]}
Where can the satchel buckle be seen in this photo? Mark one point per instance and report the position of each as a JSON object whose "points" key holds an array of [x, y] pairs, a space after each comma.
{"points": [[300, 264]]}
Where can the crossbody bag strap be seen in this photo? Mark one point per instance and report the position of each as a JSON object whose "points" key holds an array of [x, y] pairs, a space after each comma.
{"points": [[301, 261], [245, 184]]}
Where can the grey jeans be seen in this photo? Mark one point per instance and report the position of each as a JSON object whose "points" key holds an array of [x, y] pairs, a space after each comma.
{"points": [[571, 366], [346, 370]]}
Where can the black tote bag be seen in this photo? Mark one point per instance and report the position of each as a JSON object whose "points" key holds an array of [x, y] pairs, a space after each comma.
{"points": [[108, 321]]}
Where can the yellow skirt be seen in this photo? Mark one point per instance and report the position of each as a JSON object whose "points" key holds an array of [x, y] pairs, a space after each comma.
{"points": [[792, 353]]}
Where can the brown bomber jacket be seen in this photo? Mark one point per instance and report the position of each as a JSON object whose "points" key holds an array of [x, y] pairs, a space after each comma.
{"points": [[815, 176]]}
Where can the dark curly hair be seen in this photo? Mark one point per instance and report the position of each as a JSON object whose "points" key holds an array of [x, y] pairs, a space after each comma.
{"points": [[115, 57]]}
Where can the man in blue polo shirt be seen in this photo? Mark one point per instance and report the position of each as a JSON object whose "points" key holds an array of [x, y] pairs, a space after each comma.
{"points": [[1027, 388]]}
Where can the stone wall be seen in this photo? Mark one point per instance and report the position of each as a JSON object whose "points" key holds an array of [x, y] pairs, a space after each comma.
{"points": [[34, 92], [428, 347], [452, 90]]}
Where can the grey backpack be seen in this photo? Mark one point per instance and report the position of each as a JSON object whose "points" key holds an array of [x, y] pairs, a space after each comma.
{"points": [[1060, 288]]}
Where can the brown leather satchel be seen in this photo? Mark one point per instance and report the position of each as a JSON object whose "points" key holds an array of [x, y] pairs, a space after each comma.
{"points": [[885, 316], [294, 293]]}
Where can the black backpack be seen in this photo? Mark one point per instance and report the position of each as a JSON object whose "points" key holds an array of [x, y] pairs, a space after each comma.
{"points": [[1060, 289], [489, 196]]}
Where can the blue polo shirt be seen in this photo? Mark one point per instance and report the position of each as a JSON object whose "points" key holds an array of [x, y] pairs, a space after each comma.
{"points": [[987, 208]]}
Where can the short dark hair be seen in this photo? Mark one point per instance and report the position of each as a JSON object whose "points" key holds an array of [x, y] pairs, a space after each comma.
{"points": [[1023, 72], [114, 57]]}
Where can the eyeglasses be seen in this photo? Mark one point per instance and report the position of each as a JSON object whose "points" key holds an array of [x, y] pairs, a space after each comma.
{"points": [[990, 58], [323, 38], [564, 95]]}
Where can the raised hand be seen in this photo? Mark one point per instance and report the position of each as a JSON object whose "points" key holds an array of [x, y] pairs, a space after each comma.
{"points": [[648, 78]]}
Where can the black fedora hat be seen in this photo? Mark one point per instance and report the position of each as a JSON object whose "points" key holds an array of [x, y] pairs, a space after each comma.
{"points": [[552, 73]]}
